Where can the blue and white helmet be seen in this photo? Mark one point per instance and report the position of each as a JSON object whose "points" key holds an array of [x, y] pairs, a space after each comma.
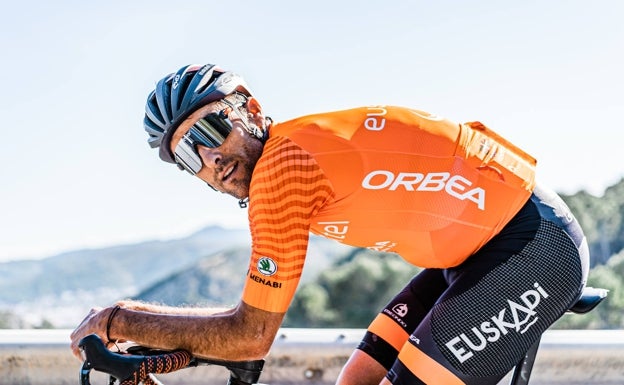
{"points": [[179, 94]]}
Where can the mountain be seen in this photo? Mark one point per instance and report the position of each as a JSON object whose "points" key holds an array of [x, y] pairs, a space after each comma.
{"points": [[218, 279], [122, 268], [214, 280], [61, 289]]}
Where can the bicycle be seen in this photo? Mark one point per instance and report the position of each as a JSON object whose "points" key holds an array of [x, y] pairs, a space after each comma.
{"points": [[139, 364]]}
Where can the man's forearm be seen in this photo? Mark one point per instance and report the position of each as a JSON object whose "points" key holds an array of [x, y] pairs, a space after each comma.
{"points": [[237, 334], [163, 309]]}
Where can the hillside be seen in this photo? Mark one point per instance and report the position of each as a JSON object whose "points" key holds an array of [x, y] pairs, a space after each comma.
{"points": [[61, 289], [123, 269], [602, 219], [218, 279]]}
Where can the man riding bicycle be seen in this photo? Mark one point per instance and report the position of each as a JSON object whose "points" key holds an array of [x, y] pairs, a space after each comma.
{"points": [[503, 257]]}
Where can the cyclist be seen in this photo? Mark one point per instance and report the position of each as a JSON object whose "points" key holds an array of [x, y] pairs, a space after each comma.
{"points": [[503, 258]]}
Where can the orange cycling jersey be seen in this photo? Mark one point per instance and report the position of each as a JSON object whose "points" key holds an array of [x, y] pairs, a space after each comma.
{"points": [[386, 178]]}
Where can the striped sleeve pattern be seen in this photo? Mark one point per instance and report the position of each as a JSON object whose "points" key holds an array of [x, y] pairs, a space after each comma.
{"points": [[287, 189]]}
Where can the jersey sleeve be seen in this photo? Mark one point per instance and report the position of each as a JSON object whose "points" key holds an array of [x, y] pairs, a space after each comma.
{"points": [[288, 187]]}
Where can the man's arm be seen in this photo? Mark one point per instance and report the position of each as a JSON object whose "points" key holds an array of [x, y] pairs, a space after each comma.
{"points": [[242, 333], [162, 309]]}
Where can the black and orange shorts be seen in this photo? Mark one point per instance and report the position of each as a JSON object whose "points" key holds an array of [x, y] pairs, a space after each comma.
{"points": [[472, 323]]}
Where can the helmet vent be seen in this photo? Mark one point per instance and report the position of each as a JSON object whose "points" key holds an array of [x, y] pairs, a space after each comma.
{"points": [[207, 82]]}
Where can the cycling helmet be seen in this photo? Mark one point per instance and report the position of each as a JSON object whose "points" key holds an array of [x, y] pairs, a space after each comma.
{"points": [[179, 94]]}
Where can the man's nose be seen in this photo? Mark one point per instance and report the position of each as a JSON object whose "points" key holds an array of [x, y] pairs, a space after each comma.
{"points": [[211, 157]]}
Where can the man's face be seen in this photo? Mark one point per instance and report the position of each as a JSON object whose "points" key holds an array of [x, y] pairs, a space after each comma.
{"points": [[227, 168]]}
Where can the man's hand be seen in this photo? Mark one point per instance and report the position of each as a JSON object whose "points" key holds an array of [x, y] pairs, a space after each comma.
{"points": [[94, 323]]}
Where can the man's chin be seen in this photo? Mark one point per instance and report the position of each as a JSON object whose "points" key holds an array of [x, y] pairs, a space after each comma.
{"points": [[239, 195]]}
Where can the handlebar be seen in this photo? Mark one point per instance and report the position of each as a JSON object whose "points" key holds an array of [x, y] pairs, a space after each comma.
{"points": [[138, 364]]}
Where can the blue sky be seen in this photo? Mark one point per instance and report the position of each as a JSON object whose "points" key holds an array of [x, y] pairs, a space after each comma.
{"points": [[76, 170]]}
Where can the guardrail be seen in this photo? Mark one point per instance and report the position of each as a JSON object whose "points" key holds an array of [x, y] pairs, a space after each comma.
{"points": [[312, 356]]}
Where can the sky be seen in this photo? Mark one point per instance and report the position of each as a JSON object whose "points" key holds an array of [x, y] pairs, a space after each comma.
{"points": [[76, 171]]}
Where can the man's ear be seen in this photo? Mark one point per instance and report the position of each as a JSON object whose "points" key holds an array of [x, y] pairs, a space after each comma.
{"points": [[253, 106]]}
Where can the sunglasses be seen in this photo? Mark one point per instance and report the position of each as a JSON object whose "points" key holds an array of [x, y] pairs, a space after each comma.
{"points": [[210, 131]]}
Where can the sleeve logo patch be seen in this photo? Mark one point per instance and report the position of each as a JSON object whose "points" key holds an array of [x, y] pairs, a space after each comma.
{"points": [[267, 266]]}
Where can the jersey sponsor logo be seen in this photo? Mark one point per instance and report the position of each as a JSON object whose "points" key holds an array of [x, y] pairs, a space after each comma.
{"points": [[264, 281], [375, 120], [455, 186], [400, 309], [335, 229], [517, 317], [382, 246], [266, 266], [396, 316]]}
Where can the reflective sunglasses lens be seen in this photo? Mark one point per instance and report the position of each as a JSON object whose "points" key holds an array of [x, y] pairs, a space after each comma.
{"points": [[212, 130], [186, 155]]}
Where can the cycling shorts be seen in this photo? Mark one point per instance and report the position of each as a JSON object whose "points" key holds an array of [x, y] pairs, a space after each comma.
{"points": [[472, 323]]}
